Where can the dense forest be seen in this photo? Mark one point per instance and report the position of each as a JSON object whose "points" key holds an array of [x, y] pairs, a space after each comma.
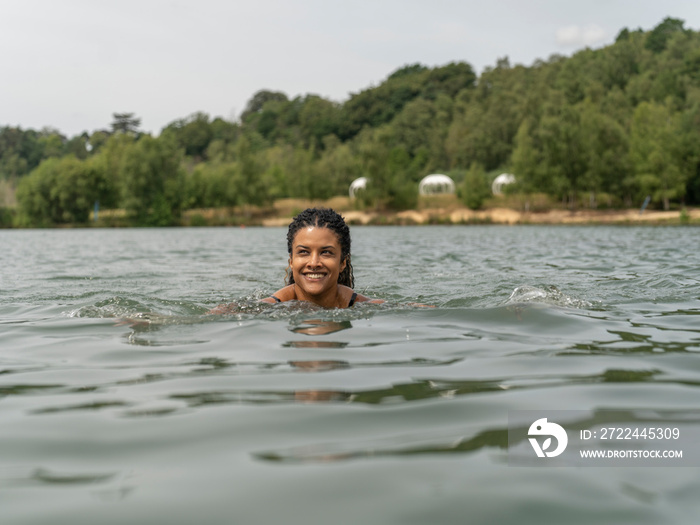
{"points": [[602, 128]]}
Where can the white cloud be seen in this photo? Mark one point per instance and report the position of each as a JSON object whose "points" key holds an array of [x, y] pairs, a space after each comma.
{"points": [[576, 36]]}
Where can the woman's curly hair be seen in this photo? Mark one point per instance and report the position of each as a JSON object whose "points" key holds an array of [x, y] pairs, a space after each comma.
{"points": [[324, 218]]}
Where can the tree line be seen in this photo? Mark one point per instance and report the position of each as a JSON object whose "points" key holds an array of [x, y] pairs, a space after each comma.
{"points": [[604, 127]]}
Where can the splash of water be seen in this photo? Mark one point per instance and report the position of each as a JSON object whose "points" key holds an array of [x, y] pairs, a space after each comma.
{"points": [[548, 294]]}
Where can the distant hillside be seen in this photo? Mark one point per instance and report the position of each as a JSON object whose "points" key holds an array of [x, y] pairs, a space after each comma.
{"points": [[602, 128]]}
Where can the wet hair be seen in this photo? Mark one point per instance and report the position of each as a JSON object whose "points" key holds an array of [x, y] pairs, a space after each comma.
{"points": [[324, 218]]}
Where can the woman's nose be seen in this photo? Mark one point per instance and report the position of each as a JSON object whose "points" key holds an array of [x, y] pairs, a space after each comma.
{"points": [[314, 259]]}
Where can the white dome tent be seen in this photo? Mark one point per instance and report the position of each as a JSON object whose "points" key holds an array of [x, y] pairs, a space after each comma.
{"points": [[436, 184], [357, 185], [502, 180]]}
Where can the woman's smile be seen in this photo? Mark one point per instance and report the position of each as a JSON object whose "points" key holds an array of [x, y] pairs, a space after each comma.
{"points": [[315, 276]]}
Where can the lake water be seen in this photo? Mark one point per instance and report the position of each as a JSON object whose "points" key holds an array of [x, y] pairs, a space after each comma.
{"points": [[122, 401]]}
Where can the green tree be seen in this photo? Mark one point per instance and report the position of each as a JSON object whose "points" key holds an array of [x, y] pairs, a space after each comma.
{"points": [[96, 140], [475, 188], [59, 191], [527, 159], [258, 101], [50, 143], [338, 166], [372, 148], [605, 145], [413, 127], [376, 106], [193, 134], [318, 118], [565, 159], [660, 35], [108, 161], [249, 184], [402, 190], [655, 155], [125, 123], [14, 161], [12, 166], [152, 182], [448, 80], [212, 185], [78, 146]]}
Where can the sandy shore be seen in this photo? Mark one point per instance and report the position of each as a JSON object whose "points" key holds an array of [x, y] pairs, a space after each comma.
{"points": [[509, 216]]}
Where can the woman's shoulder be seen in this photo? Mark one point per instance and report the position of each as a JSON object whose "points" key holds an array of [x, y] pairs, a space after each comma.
{"points": [[283, 294], [355, 297], [347, 295]]}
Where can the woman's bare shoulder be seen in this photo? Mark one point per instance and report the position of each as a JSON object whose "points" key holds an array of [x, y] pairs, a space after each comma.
{"points": [[359, 298], [283, 294]]}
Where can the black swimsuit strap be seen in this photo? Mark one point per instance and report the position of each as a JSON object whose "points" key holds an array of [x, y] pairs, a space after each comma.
{"points": [[276, 299]]}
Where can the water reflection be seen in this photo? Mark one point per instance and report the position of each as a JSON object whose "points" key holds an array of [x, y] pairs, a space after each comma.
{"points": [[45, 476], [320, 327], [414, 390], [319, 366], [631, 343], [320, 396], [146, 329], [495, 438], [315, 344], [316, 327]]}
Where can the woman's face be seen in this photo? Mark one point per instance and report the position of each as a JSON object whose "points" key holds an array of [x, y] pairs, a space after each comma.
{"points": [[316, 261]]}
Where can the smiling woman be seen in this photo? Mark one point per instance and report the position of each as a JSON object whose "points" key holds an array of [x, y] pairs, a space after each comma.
{"points": [[318, 243]]}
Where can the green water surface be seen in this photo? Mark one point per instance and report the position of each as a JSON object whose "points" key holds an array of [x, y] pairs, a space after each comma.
{"points": [[123, 401]]}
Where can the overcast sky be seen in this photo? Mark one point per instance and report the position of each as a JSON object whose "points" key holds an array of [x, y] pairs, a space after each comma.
{"points": [[71, 64]]}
